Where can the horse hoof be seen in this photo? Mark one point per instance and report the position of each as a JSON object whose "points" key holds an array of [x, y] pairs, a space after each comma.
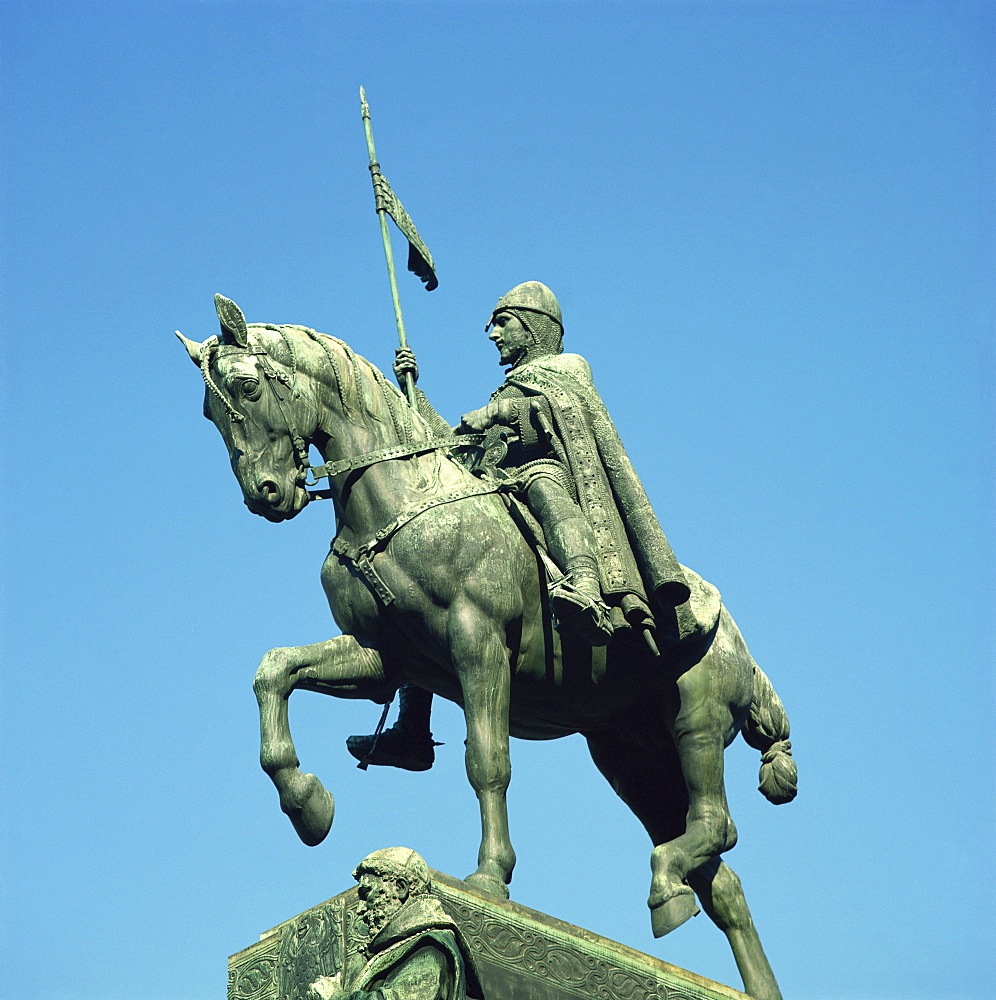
{"points": [[310, 808], [673, 912], [488, 884]]}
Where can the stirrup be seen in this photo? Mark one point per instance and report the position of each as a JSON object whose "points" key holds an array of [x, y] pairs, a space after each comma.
{"points": [[577, 612], [394, 748]]}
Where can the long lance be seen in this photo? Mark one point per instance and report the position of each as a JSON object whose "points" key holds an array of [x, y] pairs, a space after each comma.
{"points": [[388, 254]]}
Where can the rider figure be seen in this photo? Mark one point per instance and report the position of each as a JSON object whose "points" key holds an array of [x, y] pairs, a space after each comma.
{"points": [[555, 440]]}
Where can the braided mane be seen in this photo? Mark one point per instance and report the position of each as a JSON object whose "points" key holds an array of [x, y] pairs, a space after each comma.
{"points": [[363, 391]]}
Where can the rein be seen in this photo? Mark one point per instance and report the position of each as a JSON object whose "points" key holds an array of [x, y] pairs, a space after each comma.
{"points": [[331, 469]]}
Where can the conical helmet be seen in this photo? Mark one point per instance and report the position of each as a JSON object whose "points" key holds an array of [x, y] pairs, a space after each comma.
{"points": [[530, 296], [397, 861]]}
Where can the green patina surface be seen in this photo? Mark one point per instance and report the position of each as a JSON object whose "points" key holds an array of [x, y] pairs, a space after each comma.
{"points": [[520, 954], [512, 564]]}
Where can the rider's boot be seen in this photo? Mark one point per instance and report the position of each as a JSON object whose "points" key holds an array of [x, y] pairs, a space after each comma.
{"points": [[577, 602], [408, 743]]}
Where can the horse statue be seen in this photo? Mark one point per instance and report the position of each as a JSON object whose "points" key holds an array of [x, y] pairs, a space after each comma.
{"points": [[433, 583]]}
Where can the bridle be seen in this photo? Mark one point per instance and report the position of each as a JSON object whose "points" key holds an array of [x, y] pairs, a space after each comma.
{"points": [[358, 554], [276, 378]]}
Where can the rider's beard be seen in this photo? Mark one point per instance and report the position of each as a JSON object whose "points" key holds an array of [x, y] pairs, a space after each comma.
{"points": [[376, 915]]}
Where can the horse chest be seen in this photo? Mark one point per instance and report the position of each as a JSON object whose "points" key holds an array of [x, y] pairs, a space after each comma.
{"points": [[354, 607]]}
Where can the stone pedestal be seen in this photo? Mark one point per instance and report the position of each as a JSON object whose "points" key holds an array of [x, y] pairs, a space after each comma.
{"points": [[520, 955]]}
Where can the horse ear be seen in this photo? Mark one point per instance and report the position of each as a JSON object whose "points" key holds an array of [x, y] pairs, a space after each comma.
{"points": [[193, 348], [233, 322]]}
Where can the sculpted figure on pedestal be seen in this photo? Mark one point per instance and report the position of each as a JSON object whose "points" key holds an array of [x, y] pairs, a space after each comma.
{"points": [[414, 951], [439, 584], [548, 432]]}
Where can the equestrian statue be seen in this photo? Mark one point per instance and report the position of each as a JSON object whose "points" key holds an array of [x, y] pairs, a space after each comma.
{"points": [[512, 565]]}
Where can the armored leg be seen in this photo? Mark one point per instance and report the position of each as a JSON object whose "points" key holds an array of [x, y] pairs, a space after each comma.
{"points": [[577, 599]]}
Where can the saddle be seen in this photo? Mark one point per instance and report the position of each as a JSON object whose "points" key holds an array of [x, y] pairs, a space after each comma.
{"points": [[683, 625], [694, 620]]}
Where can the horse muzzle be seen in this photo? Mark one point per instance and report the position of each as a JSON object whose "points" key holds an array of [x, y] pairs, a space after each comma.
{"points": [[274, 503]]}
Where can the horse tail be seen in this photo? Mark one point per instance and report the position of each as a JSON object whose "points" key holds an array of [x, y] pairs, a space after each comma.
{"points": [[767, 730]]}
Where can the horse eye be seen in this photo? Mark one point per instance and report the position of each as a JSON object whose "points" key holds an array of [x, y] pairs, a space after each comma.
{"points": [[251, 388]]}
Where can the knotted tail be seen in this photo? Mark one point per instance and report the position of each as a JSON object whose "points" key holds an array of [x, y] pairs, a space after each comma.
{"points": [[767, 730]]}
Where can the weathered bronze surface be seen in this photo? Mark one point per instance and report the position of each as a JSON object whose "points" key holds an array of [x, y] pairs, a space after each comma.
{"points": [[436, 579], [517, 954], [413, 948]]}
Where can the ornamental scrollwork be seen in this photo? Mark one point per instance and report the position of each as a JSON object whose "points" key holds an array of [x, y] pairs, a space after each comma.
{"points": [[254, 980], [560, 963], [310, 947]]}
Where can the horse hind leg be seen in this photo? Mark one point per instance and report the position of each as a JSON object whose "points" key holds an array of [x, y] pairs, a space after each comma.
{"points": [[338, 665], [646, 774], [722, 897], [711, 695], [645, 771], [708, 829]]}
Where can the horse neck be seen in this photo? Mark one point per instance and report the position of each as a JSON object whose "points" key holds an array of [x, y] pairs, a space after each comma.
{"points": [[360, 413]]}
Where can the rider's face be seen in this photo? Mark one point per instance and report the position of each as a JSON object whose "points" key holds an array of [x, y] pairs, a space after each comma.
{"points": [[510, 337]]}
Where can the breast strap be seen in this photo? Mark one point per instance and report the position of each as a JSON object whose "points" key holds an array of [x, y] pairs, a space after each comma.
{"points": [[361, 555]]}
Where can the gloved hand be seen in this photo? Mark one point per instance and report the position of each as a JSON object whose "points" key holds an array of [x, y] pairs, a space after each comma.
{"points": [[478, 420], [404, 363]]}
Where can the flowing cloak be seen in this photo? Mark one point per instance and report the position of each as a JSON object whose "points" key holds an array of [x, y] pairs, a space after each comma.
{"points": [[417, 956], [634, 555]]}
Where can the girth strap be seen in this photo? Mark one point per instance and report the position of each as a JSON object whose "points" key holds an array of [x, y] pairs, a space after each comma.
{"points": [[361, 556]]}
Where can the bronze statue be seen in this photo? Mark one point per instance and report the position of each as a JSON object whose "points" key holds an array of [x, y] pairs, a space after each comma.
{"points": [[553, 439], [437, 579], [414, 951]]}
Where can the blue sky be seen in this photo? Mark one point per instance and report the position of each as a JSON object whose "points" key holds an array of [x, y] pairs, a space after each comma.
{"points": [[770, 226]]}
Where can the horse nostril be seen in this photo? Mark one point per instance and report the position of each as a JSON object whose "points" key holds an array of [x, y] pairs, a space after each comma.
{"points": [[269, 491]]}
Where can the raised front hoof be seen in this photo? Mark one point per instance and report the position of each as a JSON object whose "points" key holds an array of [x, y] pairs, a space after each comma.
{"points": [[673, 912], [488, 884], [310, 808]]}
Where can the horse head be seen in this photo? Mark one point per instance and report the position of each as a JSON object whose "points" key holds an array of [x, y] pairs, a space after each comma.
{"points": [[263, 407]]}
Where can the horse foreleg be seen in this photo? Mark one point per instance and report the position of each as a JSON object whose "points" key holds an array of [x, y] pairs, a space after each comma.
{"points": [[338, 666], [722, 897], [482, 664]]}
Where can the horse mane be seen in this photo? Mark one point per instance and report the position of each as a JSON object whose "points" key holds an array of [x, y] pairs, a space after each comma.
{"points": [[363, 390]]}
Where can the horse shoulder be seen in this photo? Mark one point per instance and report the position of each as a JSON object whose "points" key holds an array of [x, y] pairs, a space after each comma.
{"points": [[467, 550], [353, 605]]}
